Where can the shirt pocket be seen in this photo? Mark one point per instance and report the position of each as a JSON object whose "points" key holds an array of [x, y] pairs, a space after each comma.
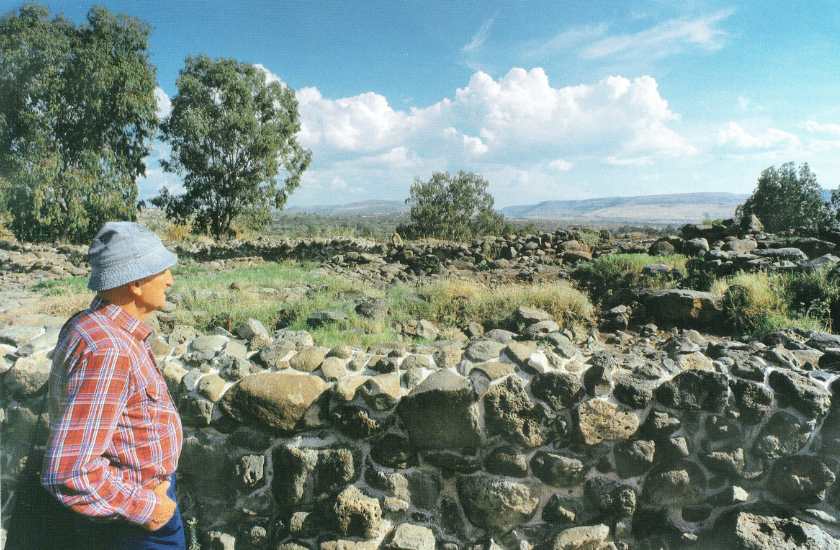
{"points": [[156, 391]]}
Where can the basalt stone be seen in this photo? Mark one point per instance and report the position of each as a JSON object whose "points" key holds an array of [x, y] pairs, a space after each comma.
{"points": [[695, 390], [251, 328], [659, 425], [598, 420], [452, 461], [525, 315], [236, 368], [320, 319], [561, 511], [26, 377], [684, 306], [211, 387], [394, 451], [558, 470], [393, 484], [803, 394], [483, 351], [752, 400], [195, 411], [784, 434], [776, 254], [560, 390], [275, 355], [296, 339], [381, 392], [372, 308], [507, 461], [496, 505], [249, 471], [509, 412], [830, 431], [303, 474], [749, 369], [607, 496], [308, 359], [519, 353], [205, 456], [729, 463], [597, 380], [286, 402], [357, 515], [333, 369], [17, 336], [579, 538], [748, 531], [672, 448], [49, 338], [441, 413], [633, 458], [801, 479], [719, 428], [676, 483], [406, 536], [356, 422], [633, 391]]}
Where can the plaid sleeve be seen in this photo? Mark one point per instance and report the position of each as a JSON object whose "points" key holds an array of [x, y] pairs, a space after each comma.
{"points": [[76, 467]]}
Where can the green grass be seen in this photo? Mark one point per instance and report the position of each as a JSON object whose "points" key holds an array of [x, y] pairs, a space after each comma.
{"points": [[62, 287], [614, 271], [758, 303], [456, 303], [283, 295]]}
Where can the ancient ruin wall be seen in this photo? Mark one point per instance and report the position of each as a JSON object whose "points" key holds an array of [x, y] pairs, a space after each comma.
{"points": [[558, 443]]}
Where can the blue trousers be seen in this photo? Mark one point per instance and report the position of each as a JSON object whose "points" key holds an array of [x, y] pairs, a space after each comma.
{"points": [[120, 535]]}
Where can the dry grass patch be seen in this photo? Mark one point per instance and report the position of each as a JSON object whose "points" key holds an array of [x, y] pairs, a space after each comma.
{"points": [[456, 303]]}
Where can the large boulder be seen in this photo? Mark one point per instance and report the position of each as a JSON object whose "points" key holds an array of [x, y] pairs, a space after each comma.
{"points": [[281, 401], [683, 307], [441, 413], [496, 505]]}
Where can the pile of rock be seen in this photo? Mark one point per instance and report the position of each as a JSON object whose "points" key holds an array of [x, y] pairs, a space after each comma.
{"points": [[543, 438]]}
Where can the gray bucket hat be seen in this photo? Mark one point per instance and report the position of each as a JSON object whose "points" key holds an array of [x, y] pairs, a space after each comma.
{"points": [[123, 252]]}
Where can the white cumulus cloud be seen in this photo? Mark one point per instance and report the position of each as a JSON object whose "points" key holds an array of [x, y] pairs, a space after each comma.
{"points": [[515, 124], [833, 129], [164, 104], [732, 134]]}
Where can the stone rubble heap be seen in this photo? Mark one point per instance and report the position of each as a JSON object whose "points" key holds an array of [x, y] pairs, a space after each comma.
{"points": [[543, 439], [722, 249]]}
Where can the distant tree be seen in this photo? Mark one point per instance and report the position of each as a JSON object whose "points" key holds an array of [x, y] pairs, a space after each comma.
{"points": [[77, 115], [231, 132], [784, 199], [452, 208]]}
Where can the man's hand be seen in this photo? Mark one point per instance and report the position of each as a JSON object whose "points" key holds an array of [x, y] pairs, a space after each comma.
{"points": [[163, 511]]}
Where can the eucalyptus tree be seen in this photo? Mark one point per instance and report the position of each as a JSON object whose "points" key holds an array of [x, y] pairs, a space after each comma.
{"points": [[232, 132], [77, 118]]}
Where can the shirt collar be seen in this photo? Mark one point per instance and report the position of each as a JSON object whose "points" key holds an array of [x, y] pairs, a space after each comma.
{"points": [[123, 319]]}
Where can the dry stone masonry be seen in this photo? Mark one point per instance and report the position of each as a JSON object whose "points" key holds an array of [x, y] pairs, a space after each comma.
{"points": [[549, 439], [564, 441]]}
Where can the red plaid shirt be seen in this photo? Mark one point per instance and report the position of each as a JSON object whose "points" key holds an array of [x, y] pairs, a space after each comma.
{"points": [[115, 433]]}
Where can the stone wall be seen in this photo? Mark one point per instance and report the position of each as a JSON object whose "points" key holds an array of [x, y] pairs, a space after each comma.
{"points": [[544, 439]]}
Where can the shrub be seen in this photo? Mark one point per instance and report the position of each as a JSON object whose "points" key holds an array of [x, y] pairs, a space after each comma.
{"points": [[609, 273]]}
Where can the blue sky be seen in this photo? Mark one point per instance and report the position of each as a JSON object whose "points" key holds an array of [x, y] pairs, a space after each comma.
{"points": [[547, 100]]}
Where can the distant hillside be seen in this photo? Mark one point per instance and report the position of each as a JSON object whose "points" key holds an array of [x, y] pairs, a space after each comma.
{"points": [[369, 208], [654, 209]]}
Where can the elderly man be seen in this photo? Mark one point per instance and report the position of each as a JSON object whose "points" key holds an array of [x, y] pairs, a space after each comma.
{"points": [[115, 434]]}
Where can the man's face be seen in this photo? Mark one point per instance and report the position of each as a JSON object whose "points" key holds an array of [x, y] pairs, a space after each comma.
{"points": [[152, 294]]}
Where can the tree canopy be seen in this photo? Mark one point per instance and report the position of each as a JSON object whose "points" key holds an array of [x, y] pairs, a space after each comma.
{"points": [[453, 208], [784, 199], [76, 120], [231, 133]]}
